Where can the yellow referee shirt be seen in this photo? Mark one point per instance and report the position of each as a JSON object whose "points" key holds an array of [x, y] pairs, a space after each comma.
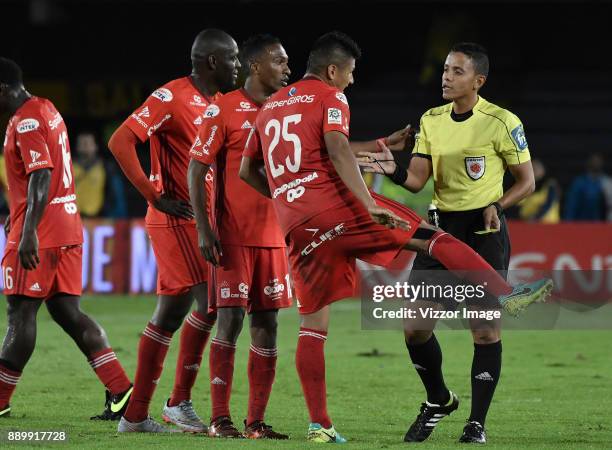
{"points": [[469, 157]]}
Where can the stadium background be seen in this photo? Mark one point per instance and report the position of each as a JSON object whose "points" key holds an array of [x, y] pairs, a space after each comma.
{"points": [[97, 60]]}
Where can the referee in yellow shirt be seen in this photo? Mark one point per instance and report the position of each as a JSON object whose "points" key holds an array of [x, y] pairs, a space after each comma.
{"points": [[466, 145]]}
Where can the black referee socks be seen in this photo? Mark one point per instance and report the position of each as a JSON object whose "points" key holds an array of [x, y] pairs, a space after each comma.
{"points": [[486, 368], [427, 360]]}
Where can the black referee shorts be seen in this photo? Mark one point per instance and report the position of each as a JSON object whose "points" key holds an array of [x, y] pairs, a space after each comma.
{"points": [[493, 247]]}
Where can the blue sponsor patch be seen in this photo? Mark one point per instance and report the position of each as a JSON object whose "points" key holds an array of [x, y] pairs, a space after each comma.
{"points": [[292, 91], [518, 135]]}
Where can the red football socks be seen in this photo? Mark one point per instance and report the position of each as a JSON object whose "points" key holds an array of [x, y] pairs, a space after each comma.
{"points": [[310, 363], [221, 375], [460, 259], [152, 350], [261, 371], [109, 371], [8, 383], [194, 337]]}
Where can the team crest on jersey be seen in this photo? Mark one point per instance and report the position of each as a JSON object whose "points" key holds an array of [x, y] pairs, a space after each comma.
{"points": [[162, 94], [519, 138], [27, 125], [475, 166], [340, 96], [334, 116], [211, 111]]}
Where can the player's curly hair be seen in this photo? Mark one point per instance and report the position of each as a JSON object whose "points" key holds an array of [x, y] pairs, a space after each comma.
{"points": [[10, 73], [477, 53], [251, 49], [334, 47]]}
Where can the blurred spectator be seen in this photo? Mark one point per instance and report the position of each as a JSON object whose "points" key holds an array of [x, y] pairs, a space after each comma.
{"points": [[99, 189], [590, 195], [545, 203]]}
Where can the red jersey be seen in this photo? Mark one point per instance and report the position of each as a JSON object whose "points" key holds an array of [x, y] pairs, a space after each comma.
{"points": [[242, 215], [36, 138], [290, 129], [170, 119]]}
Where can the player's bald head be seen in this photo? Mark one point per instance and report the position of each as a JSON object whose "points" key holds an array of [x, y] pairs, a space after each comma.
{"points": [[208, 42], [10, 73]]}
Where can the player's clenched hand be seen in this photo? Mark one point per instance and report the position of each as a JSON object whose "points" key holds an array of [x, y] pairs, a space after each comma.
{"points": [[28, 251], [381, 162], [210, 246], [385, 217], [402, 139], [178, 208], [491, 219]]}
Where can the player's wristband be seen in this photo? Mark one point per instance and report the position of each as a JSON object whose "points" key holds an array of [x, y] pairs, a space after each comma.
{"points": [[399, 175], [498, 207]]}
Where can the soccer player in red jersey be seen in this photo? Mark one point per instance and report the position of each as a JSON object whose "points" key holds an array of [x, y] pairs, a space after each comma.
{"points": [[251, 275], [170, 119], [43, 254], [330, 218]]}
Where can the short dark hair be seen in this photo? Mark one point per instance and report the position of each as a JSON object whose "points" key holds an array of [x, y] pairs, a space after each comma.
{"points": [[10, 73], [477, 53], [334, 47], [252, 48]]}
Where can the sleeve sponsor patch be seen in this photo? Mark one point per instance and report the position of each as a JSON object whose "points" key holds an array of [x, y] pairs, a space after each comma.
{"points": [[211, 111], [163, 94], [340, 96], [27, 125], [519, 138], [334, 116]]}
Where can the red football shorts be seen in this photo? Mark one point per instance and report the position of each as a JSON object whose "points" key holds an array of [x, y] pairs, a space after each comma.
{"points": [[256, 278], [179, 262], [59, 271], [323, 250]]}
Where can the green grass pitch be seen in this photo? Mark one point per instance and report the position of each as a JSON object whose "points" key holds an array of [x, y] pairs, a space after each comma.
{"points": [[552, 393]]}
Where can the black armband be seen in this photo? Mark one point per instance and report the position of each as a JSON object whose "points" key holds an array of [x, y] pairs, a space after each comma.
{"points": [[498, 207], [399, 176]]}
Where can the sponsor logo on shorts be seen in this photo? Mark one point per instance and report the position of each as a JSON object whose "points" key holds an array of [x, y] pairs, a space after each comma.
{"points": [[225, 292], [244, 290], [475, 166], [334, 116], [54, 123], [274, 290], [194, 367], [163, 94], [35, 287], [27, 125], [321, 239]]}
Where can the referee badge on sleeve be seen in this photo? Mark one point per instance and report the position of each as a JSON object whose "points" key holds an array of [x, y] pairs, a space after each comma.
{"points": [[475, 166]]}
